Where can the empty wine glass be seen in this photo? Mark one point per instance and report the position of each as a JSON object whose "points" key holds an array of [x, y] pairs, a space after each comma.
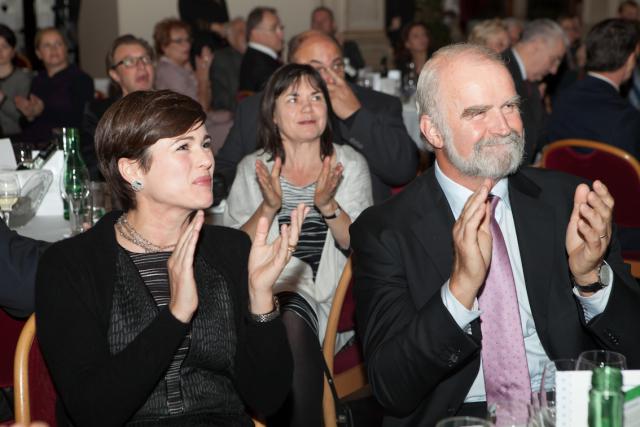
{"points": [[591, 359], [9, 193], [547, 395], [75, 190]]}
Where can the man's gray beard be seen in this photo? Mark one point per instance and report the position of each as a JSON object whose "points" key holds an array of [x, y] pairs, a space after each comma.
{"points": [[487, 163]]}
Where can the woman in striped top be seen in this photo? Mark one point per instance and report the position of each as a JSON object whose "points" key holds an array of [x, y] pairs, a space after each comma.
{"points": [[152, 318], [298, 163]]}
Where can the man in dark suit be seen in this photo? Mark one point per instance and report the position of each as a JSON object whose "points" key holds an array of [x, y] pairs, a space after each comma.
{"points": [[592, 108], [225, 67], [265, 37], [426, 261], [371, 122], [538, 53], [19, 258]]}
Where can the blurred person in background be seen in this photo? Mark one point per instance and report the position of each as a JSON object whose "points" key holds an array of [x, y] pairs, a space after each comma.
{"points": [[14, 82], [515, 27], [491, 33], [414, 50], [265, 39], [225, 67], [322, 19], [172, 40], [130, 66], [59, 93]]}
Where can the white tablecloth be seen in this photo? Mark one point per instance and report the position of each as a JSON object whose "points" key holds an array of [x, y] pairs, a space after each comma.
{"points": [[50, 228]]}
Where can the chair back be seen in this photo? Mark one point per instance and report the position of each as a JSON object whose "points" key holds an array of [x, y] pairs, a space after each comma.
{"points": [[34, 395], [10, 329], [619, 170], [347, 372]]}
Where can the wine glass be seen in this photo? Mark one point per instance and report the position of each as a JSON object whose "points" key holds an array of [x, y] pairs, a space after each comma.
{"points": [[75, 190], [547, 395], [9, 193], [591, 359]]}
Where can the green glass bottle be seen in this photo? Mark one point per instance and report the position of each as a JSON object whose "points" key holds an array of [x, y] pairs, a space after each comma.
{"points": [[75, 179], [606, 398]]}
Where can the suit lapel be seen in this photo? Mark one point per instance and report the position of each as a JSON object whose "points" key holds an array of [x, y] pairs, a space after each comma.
{"points": [[433, 224], [535, 228]]}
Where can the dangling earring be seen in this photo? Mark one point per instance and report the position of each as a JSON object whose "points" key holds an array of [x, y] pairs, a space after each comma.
{"points": [[137, 185]]}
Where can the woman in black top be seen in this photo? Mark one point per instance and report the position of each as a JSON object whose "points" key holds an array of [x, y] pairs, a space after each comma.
{"points": [[150, 318]]}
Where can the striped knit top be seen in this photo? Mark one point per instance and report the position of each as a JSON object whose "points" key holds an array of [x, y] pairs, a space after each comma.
{"points": [[155, 274], [314, 228]]}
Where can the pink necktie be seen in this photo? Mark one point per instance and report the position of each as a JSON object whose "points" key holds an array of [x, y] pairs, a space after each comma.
{"points": [[504, 361]]}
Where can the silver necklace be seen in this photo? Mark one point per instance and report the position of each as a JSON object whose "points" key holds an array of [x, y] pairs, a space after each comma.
{"points": [[129, 233]]}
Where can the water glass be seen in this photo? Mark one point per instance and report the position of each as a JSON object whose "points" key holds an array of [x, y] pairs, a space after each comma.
{"points": [[76, 192], [98, 199], [546, 415], [23, 154], [464, 422], [589, 360], [9, 193]]}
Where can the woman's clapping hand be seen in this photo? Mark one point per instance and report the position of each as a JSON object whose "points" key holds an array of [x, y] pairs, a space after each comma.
{"points": [[266, 261], [182, 283], [269, 183], [327, 185]]}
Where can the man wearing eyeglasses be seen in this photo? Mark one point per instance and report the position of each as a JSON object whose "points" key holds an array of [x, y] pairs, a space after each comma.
{"points": [[130, 65], [369, 121], [265, 37]]}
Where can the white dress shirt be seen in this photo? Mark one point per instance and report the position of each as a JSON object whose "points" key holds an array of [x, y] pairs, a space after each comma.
{"points": [[264, 49], [457, 196]]}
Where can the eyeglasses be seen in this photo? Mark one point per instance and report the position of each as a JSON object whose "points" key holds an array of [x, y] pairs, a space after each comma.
{"points": [[133, 61], [181, 40], [54, 45]]}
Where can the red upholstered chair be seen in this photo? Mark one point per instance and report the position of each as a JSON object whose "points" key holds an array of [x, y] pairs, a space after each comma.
{"points": [[34, 395], [619, 170], [346, 367]]}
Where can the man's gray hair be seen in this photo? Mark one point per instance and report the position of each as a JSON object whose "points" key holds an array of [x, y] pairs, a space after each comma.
{"points": [[545, 29], [428, 99]]}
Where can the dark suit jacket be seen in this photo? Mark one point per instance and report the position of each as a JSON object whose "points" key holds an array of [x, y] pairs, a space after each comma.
{"points": [[593, 109], [531, 108], [19, 258], [93, 112], [420, 363], [255, 70], [224, 78], [376, 131]]}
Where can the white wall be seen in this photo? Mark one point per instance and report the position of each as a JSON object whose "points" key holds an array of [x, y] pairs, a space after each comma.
{"points": [[138, 17]]}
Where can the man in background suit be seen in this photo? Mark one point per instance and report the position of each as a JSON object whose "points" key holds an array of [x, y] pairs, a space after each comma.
{"points": [[225, 67], [370, 122], [538, 53], [265, 37], [592, 108], [425, 262]]}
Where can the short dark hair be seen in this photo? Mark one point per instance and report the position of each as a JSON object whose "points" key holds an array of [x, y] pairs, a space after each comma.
{"points": [[609, 44], [256, 16], [269, 138], [296, 41], [8, 34], [133, 124], [323, 9], [126, 39], [162, 32]]}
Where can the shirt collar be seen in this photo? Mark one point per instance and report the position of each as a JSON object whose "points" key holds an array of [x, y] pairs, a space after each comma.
{"points": [[264, 49], [457, 194], [523, 72], [604, 79]]}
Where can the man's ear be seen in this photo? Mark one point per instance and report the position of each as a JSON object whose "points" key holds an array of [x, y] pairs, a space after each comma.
{"points": [[430, 132], [130, 170], [114, 76]]}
